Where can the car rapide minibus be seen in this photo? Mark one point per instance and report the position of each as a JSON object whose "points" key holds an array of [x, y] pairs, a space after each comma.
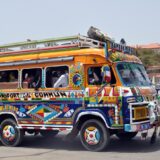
{"points": [[85, 86]]}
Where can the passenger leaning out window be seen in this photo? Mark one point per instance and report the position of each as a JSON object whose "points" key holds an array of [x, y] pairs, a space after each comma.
{"points": [[62, 80]]}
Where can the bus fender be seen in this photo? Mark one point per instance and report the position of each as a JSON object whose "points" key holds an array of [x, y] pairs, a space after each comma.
{"points": [[96, 112]]}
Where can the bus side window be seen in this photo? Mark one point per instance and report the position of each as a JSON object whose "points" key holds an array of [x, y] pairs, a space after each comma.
{"points": [[31, 78], [94, 76], [9, 79], [57, 77]]}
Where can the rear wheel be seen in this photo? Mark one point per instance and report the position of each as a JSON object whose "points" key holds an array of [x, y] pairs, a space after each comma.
{"points": [[126, 135], [10, 135], [49, 134], [94, 135]]}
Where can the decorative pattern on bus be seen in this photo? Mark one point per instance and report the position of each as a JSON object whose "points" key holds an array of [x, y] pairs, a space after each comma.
{"points": [[46, 107]]}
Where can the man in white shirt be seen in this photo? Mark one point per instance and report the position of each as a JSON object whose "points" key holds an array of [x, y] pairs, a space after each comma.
{"points": [[62, 81]]}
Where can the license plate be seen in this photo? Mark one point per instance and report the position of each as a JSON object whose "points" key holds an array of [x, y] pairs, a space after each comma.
{"points": [[144, 127], [140, 113]]}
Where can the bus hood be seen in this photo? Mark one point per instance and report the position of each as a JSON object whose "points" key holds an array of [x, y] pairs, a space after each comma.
{"points": [[139, 91]]}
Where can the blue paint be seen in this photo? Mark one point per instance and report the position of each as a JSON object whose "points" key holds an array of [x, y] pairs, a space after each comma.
{"points": [[51, 115], [22, 109], [39, 107], [127, 127]]}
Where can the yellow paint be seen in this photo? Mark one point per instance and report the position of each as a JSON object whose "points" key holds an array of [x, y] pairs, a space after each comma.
{"points": [[1, 108], [68, 122], [110, 100], [92, 99], [140, 113], [91, 128]]}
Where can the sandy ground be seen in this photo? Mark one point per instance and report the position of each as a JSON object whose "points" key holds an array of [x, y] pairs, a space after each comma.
{"points": [[39, 148]]}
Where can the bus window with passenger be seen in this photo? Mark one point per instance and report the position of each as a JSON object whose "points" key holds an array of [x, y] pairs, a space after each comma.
{"points": [[31, 78], [9, 79], [57, 77], [94, 76]]}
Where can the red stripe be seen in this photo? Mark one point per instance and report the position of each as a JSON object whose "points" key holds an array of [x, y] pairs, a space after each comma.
{"points": [[62, 129], [39, 128]]}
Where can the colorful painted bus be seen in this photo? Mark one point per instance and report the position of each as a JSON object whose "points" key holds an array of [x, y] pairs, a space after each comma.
{"points": [[85, 86]]}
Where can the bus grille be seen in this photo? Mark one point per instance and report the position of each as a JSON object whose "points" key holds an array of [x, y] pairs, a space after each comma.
{"points": [[139, 113]]}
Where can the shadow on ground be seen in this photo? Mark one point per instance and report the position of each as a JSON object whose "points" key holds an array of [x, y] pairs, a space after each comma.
{"points": [[59, 143]]}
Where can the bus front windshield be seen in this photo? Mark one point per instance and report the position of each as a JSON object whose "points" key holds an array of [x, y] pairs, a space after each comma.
{"points": [[133, 74]]}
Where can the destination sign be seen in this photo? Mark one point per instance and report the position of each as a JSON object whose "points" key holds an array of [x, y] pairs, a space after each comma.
{"points": [[123, 48]]}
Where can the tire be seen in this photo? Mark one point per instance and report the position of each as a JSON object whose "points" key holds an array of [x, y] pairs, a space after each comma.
{"points": [[126, 136], [49, 134], [94, 135], [10, 135]]}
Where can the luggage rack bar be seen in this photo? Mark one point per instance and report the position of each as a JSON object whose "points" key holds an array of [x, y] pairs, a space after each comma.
{"points": [[77, 41], [63, 43]]}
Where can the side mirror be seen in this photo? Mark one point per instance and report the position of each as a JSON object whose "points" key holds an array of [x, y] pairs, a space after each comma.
{"points": [[106, 74]]}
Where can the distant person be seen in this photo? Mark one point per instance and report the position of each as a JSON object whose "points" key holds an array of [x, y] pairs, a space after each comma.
{"points": [[12, 77], [36, 82], [3, 77], [93, 78], [29, 80], [54, 77]]}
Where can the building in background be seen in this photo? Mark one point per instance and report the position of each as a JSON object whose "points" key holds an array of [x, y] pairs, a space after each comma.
{"points": [[153, 71], [154, 46]]}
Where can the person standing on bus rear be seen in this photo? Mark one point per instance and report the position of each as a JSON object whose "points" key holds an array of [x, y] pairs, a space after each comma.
{"points": [[62, 80]]}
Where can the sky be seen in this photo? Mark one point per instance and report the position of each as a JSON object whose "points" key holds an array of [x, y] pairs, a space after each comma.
{"points": [[137, 21]]}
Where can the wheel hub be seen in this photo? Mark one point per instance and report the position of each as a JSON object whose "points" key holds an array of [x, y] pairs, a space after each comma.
{"points": [[9, 133], [92, 135]]}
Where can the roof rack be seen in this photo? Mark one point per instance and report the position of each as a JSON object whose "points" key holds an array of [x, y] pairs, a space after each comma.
{"points": [[77, 41], [62, 43]]}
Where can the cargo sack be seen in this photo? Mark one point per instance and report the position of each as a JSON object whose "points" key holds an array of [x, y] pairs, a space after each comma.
{"points": [[97, 34]]}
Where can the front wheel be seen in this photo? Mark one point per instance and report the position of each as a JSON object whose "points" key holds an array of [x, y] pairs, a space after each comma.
{"points": [[126, 136], [94, 135], [10, 135]]}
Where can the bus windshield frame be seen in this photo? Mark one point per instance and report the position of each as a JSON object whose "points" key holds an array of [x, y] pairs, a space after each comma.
{"points": [[132, 74]]}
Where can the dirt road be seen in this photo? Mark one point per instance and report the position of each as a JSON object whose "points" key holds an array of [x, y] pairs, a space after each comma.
{"points": [[39, 148]]}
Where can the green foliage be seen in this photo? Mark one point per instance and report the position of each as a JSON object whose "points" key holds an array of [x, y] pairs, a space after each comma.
{"points": [[149, 57]]}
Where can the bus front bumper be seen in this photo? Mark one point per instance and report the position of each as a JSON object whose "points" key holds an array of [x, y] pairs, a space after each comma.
{"points": [[137, 127], [141, 126]]}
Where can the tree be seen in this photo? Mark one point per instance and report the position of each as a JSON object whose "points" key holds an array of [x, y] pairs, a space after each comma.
{"points": [[148, 57]]}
